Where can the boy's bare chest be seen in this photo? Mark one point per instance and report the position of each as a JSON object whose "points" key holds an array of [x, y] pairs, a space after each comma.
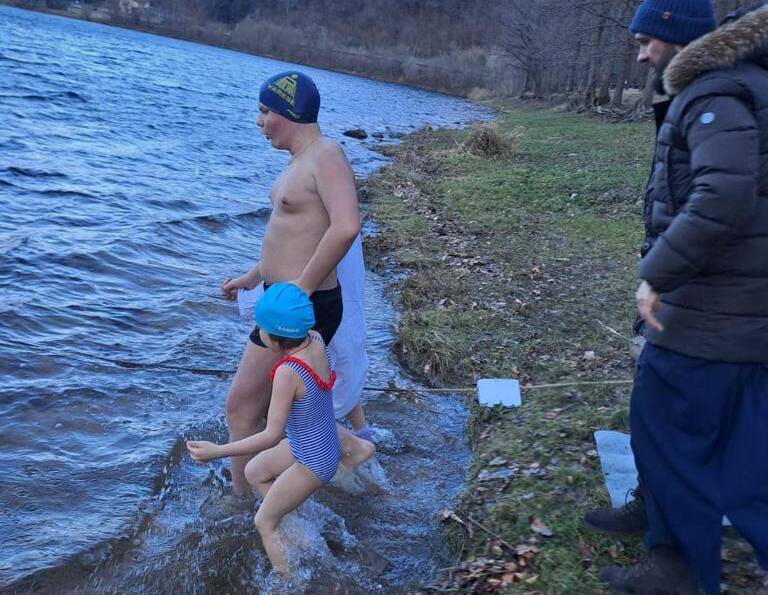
{"points": [[294, 192]]}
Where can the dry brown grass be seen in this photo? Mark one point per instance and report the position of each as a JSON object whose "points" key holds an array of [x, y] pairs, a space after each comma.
{"points": [[479, 94], [485, 140]]}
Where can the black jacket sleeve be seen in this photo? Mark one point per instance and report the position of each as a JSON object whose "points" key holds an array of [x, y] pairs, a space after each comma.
{"points": [[723, 139]]}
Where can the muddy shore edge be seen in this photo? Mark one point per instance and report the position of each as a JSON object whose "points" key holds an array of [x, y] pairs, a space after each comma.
{"points": [[515, 246]]}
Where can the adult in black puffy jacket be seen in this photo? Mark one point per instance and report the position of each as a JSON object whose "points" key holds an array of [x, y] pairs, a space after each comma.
{"points": [[699, 409]]}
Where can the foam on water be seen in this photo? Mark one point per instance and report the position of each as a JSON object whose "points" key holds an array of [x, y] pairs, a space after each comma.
{"points": [[368, 477]]}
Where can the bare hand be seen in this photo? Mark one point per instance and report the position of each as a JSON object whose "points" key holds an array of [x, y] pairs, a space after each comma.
{"points": [[230, 286], [297, 283], [648, 302], [202, 451]]}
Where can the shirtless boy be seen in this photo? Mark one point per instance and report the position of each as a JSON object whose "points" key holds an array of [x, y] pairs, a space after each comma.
{"points": [[315, 219]]}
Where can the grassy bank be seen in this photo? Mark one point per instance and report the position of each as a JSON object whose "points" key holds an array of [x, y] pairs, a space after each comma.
{"points": [[522, 264]]}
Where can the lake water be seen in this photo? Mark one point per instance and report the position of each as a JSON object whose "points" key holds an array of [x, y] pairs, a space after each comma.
{"points": [[133, 180]]}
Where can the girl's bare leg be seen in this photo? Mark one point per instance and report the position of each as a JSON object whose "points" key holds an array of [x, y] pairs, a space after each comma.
{"points": [[288, 491], [262, 470]]}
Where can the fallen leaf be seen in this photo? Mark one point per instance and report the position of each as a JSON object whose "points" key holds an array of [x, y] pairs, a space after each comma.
{"points": [[727, 555], [507, 579], [585, 550], [538, 527], [524, 548], [445, 515]]}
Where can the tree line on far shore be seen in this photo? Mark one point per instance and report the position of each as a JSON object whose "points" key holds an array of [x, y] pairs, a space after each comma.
{"points": [[579, 48]]}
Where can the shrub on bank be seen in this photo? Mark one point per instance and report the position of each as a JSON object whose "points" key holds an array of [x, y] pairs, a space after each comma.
{"points": [[485, 140]]}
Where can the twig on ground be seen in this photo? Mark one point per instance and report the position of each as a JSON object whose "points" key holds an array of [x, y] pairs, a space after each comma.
{"points": [[390, 389], [614, 332], [491, 533], [579, 383]]}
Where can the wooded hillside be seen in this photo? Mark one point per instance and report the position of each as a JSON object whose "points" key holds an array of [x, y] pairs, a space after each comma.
{"points": [[582, 48]]}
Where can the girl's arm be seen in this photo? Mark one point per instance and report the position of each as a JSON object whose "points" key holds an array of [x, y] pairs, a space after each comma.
{"points": [[284, 388]]}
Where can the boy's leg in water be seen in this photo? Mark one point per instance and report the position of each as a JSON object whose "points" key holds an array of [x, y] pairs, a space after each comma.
{"points": [[360, 427], [290, 489], [354, 451], [247, 403], [357, 418], [262, 470]]}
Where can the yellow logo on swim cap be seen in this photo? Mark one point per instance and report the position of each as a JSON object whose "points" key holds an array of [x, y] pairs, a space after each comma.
{"points": [[285, 88]]}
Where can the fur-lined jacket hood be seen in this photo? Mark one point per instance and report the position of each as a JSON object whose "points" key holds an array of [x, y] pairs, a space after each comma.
{"points": [[744, 36]]}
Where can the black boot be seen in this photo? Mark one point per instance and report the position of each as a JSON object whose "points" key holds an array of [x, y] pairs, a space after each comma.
{"points": [[625, 520], [664, 572]]}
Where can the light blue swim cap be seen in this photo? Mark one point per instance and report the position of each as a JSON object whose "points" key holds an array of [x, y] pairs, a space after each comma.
{"points": [[285, 310], [293, 95]]}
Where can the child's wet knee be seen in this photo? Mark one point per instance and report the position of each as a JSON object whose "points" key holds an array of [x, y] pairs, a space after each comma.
{"points": [[262, 523], [250, 475], [253, 474]]}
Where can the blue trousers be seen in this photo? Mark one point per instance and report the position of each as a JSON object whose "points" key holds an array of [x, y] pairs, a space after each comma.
{"points": [[700, 441]]}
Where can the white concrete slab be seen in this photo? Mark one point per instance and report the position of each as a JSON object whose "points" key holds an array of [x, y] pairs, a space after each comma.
{"points": [[498, 391], [618, 465]]}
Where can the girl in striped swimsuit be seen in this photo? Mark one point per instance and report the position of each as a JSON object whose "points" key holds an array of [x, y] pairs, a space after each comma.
{"points": [[288, 470]]}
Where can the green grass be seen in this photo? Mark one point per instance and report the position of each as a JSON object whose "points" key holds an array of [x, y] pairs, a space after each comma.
{"points": [[515, 266]]}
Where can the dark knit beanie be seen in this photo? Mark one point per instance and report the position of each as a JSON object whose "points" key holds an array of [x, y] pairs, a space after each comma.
{"points": [[674, 21]]}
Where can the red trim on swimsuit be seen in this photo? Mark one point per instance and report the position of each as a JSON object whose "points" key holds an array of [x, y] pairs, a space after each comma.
{"points": [[305, 366]]}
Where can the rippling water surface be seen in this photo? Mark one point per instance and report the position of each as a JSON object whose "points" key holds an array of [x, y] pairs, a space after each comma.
{"points": [[132, 181]]}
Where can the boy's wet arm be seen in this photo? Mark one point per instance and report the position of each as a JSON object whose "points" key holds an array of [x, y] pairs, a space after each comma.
{"points": [[335, 183], [253, 276], [329, 252]]}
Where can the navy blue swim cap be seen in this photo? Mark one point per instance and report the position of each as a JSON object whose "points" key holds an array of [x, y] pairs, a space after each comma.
{"points": [[292, 95], [285, 310]]}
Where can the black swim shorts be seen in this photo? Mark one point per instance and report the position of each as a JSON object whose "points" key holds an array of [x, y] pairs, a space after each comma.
{"points": [[328, 309]]}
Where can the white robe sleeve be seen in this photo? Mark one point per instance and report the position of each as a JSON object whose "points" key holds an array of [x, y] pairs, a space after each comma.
{"points": [[246, 300], [348, 344]]}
